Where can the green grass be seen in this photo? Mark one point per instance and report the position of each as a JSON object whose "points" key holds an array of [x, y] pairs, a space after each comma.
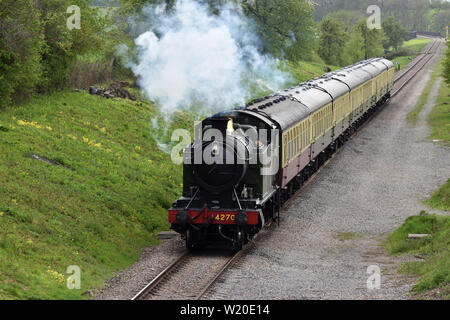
{"points": [[439, 122], [441, 198], [304, 71], [434, 271], [104, 203], [416, 45], [413, 115], [403, 61], [439, 117]]}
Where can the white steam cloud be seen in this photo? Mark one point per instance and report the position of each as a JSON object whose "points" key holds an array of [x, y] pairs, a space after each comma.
{"points": [[192, 57]]}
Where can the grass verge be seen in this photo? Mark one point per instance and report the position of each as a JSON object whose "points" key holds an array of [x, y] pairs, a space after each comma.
{"points": [[434, 270], [439, 117], [441, 198], [439, 122], [413, 115]]}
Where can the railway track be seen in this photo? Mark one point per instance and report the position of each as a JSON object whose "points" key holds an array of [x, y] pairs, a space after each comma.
{"points": [[178, 281], [404, 78]]}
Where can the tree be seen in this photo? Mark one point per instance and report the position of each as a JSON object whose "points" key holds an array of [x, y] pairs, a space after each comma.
{"points": [[286, 27], [37, 48], [62, 45], [332, 39], [354, 51], [395, 34], [372, 44], [347, 18], [21, 47], [440, 21]]}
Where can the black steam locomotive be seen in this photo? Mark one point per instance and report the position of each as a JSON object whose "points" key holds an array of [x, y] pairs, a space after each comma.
{"points": [[244, 164]]}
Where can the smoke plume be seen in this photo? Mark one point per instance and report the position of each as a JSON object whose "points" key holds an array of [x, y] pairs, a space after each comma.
{"points": [[193, 57]]}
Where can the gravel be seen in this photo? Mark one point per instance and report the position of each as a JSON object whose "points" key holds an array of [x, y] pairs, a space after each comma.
{"points": [[331, 233], [130, 282]]}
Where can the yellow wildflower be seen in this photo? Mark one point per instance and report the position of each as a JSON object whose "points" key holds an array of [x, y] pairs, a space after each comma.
{"points": [[56, 275], [73, 137], [1, 213]]}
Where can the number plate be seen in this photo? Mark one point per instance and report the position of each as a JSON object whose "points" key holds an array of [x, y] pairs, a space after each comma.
{"points": [[225, 217]]}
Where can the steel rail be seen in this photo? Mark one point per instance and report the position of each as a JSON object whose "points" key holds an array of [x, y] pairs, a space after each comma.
{"points": [[225, 267], [160, 277], [430, 56], [423, 55]]}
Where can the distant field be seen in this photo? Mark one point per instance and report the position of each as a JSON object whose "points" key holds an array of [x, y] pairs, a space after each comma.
{"points": [[416, 45], [413, 48]]}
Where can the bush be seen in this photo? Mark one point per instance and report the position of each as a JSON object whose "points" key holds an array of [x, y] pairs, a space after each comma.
{"points": [[37, 49], [21, 47]]}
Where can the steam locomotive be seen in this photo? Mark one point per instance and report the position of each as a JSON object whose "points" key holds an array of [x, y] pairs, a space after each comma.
{"points": [[245, 163]]}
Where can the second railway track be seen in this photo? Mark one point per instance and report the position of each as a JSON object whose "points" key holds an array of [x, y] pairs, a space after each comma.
{"points": [[192, 276]]}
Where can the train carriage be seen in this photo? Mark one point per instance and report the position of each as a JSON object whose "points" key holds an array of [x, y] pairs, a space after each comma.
{"points": [[233, 201]]}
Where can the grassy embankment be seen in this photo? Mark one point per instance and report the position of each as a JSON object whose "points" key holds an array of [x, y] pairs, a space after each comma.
{"points": [[434, 270], [101, 201], [304, 71], [439, 122]]}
